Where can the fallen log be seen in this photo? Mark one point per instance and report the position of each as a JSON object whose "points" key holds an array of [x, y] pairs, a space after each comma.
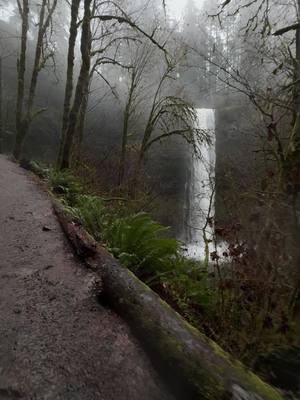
{"points": [[33, 167], [192, 363], [84, 245]]}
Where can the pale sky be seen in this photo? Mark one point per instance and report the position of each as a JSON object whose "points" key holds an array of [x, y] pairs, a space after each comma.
{"points": [[5, 12], [176, 7]]}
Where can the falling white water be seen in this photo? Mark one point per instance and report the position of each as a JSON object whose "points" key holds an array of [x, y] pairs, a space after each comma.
{"points": [[200, 191]]}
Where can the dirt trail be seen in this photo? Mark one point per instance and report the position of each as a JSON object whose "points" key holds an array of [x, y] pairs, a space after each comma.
{"points": [[56, 341]]}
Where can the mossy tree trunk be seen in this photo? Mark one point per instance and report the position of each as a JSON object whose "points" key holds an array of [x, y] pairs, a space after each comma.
{"points": [[70, 73], [1, 108], [190, 360], [81, 88], [292, 176], [194, 365], [297, 68], [21, 68], [77, 151], [23, 120], [126, 119]]}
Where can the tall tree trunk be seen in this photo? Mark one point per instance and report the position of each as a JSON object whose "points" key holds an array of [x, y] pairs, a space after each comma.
{"points": [[297, 69], [82, 85], [1, 108], [70, 72], [293, 173], [37, 60], [21, 68], [124, 147], [126, 118], [80, 129], [25, 120], [292, 155]]}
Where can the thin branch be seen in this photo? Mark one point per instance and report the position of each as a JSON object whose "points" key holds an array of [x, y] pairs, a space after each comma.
{"points": [[126, 20], [287, 29]]}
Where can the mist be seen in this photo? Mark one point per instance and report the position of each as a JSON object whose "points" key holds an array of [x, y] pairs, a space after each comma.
{"points": [[169, 131]]}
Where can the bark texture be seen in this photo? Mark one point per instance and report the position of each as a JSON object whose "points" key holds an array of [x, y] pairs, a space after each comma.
{"points": [[70, 73], [80, 129], [126, 118], [24, 119], [82, 86], [1, 108], [21, 68]]}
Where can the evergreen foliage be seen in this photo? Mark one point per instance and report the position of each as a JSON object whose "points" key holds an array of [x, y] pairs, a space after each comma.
{"points": [[140, 244], [64, 183]]}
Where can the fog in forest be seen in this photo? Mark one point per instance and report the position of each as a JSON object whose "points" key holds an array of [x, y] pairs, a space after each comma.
{"points": [[171, 131]]}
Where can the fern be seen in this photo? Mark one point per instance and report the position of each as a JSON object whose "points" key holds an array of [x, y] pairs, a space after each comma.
{"points": [[90, 210], [65, 184], [139, 243]]}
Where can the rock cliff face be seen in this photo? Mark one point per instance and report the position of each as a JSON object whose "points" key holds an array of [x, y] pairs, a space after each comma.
{"points": [[235, 159], [236, 167], [169, 167]]}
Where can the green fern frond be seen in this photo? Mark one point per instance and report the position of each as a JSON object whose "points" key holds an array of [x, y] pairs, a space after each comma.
{"points": [[91, 211], [65, 184], [141, 238]]}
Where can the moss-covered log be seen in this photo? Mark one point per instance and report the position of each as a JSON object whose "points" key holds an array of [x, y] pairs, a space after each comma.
{"points": [[195, 363], [33, 167]]}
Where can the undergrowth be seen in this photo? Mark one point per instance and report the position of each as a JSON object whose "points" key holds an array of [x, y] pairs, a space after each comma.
{"points": [[65, 184], [91, 212], [245, 316], [140, 243]]}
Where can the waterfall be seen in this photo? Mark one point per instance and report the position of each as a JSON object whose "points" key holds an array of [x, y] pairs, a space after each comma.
{"points": [[200, 191]]}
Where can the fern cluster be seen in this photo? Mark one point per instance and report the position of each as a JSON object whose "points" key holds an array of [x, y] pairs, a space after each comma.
{"points": [[141, 244], [65, 184], [137, 241], [91, 212]]}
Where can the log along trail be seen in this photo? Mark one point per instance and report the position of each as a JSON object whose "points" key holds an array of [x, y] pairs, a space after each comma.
{"points": [[56, 340]]}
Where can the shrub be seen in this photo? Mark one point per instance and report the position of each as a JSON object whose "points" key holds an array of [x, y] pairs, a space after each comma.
{"points": [[63, 183], [191, 288], [91, 211], [140, 244]]}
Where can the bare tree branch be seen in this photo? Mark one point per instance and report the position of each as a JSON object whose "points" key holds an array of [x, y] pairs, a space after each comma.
{"points": [[286, 29]]}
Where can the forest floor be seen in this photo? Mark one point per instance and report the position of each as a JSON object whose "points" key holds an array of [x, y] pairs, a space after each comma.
{"points": [[56, 340]]}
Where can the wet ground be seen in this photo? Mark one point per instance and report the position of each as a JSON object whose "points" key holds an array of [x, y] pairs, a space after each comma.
{"points": [[56, 341]]}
